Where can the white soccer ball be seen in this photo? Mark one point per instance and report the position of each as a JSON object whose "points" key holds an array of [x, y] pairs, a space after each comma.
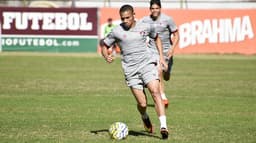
{"points": [[118, 131]]}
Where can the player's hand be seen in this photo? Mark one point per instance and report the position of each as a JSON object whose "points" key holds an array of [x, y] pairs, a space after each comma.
{"points": [[109, 58], [170, 53], [164, 64]]}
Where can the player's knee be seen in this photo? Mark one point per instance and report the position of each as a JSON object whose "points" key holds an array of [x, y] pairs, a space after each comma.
{"points": [[155, 93], [142, 105]]}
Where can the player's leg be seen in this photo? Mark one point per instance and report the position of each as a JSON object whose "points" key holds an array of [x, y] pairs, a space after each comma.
{"points": [[151, 79], [149, 75], [153, 87], [136, 85], [160, 73], [161, 86], [141, 99]]}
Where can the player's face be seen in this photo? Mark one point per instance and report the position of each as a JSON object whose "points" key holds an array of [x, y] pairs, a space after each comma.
{"points": [[110, 22], [127, 18], [155, 10]]}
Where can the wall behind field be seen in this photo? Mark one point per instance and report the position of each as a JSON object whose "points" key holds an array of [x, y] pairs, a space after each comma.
{"points": [[72, 30], [217, 26], [174, 4], [219, 31]]}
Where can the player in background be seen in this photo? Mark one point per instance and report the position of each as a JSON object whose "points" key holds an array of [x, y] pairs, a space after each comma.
{"points": [[169, 35], [107, 30], [108, 27], [139, 68]]}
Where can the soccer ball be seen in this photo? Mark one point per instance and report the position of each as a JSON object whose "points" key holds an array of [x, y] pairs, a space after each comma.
{"points": [[118, 131]]}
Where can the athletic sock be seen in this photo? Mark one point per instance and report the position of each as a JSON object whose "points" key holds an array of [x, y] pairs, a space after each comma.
{"points": [[163, 97], [144, 116], [162, 120]]}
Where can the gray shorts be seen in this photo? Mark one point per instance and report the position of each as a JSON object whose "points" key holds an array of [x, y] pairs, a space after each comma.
{"points": [[145, 75]]}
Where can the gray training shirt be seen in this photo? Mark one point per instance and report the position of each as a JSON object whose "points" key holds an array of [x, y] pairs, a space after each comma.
{"points": [[134, 50], [164, 26]]}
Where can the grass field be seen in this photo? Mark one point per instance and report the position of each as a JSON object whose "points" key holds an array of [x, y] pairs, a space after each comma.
{"points": [[72, 99]]}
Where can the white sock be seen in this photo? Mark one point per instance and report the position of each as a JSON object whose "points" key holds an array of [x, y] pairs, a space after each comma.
{"points": [[162, 120], [163, 96], [144, 116]]}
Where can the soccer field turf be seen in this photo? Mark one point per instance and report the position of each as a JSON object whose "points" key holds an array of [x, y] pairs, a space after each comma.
{"points": [[74, 99]]}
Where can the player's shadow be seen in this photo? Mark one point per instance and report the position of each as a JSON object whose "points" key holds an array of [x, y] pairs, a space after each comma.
{"points": [[151, 105], [131, 133], [142, 133], [99, 131]]}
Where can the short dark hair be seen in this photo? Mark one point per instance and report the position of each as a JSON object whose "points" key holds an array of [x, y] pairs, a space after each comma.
{"points": [[126, 7], [157, 2], [110, 19]]}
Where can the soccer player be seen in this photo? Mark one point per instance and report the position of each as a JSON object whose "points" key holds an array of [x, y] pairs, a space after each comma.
{"points": [[139, 68], [169, 35], [108, 27]]}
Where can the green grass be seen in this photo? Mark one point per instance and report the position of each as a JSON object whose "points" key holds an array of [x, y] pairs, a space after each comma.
{"points": [[71, 99]]}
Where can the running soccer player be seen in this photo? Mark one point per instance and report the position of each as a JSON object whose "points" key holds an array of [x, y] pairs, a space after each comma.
{"points": [[139, 68], [169, 35]]}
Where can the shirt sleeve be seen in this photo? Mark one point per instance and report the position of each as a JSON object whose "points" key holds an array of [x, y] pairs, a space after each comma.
{"points": [[171, 25], [110, 39]]}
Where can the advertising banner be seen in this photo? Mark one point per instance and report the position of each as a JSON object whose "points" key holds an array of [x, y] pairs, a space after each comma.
{"points": [[49, 29], [205, 31]]}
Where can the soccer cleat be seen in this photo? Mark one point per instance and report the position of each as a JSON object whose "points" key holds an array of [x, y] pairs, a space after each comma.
{"points": [[164, 132], [166, 103], [147, 125]]}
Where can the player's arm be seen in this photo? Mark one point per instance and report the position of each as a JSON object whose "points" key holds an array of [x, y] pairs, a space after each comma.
{"points": [[173, 29], [160, 51], [107, 42], [175, 41], [108, 57]]}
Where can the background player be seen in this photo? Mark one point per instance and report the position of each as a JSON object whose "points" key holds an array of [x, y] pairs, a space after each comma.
{"points": [[108, 27], [139, 68], [107, 30], [169, 35]]}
